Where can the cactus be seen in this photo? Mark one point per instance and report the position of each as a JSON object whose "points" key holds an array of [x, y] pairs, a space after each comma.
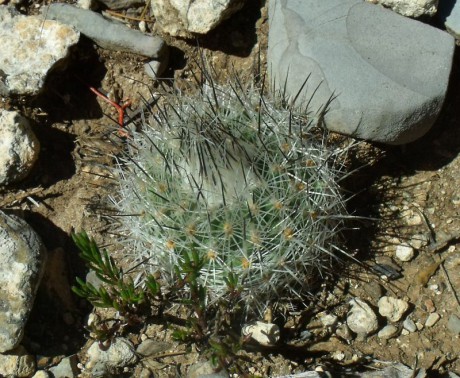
{"points": [[240, 178]]}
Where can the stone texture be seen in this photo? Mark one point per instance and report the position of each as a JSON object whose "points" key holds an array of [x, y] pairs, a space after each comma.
{"points": [[404, 252], [382, 77], [182, 17], [21, 265], [107, 34], [67, 368], [362, 319], [205, 369], [118, 355], [264, 333], [449, 13], [410, 8], [17, 363], [19, 147], [392, 308], [388, 332], [30, 48]]}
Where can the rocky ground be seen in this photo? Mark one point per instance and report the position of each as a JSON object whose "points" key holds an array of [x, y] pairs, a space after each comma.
{"points": [[409, 194]]}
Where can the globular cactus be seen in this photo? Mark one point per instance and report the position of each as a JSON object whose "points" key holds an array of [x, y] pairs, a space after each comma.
{"points": [[242, 180]]}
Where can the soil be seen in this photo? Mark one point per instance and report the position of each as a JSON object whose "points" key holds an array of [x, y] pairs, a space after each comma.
{"points": [[408, 194]]}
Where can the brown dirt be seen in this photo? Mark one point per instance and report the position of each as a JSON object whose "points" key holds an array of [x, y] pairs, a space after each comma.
{"points": [[404, 188]]}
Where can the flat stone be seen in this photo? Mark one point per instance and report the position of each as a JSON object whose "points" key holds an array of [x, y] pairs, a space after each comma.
{"points": [[432, 319], [22, 257], [388, 332], [409, 325], [205, 369], [380, 76], [19, 147], [264, 333], [449, 13], [453, 325], [362, 319], [31, 47], [410, 8], [392, 308], [67, 368], [180, 18], [106, 33]]}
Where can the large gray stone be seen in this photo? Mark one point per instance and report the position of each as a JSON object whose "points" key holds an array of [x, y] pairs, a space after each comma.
{"points": [[449, 13], [21, 266], [107, 34], [383, 77], [30, 48]]}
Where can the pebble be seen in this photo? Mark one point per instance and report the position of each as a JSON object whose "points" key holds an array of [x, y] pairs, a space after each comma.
{"points": [[118, 355], [454, 324], [409, 325], [328, 320], [388, 332], [432, 319], [205, 369], [392, 308], [41, 374], [344, 332], [17, 363], [404, 252], [149, 347], [429, 305], [264, 333], [66, 368], [361, 318]]}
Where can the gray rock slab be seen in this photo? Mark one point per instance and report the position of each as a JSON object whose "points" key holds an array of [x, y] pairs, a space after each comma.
{"points": [[22, 257], [30, 49], [19, 147], [449, 13], [381, 76], [106, 33]]}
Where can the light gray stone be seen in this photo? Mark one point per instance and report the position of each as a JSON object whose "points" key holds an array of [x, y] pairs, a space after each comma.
{"points": [[392, 308], [381, 76], [30, 48], [404, 252], [17, 363], [409, 325], [155, 68], [453, 325], [449, 13], [205, 369], [107, 34], [264, 333], [19, 147], [432, 319], [118, 355], [67, 368], [361, 318], [410, 8], [22, 258], [388, 332], [182, 17], [149, 347]]}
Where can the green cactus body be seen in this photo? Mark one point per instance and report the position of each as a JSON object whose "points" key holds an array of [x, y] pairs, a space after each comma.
{"points": [[236, 177]]}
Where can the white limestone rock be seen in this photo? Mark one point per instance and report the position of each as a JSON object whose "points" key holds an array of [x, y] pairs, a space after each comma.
{"points": [[19, 147], [22, 258], [361, 318], [31, 47], [264, 333], [182, 17], [392, 308], [410, 8]]}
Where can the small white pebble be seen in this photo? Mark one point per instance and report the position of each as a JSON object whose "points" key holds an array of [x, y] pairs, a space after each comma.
{"points": [[142, 26], [432, 319], [404, 252]]}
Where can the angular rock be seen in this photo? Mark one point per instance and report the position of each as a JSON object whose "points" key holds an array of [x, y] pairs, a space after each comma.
{"points": [[392, 308], [106, 33], [22, 256], [362, 319], [409, 325], [180, 18], [19, 147], [410, 8], [449, 13], [31, 47], [17, 363], [264, 333], [380, 76], [118, 355], [404, 252], [453, 325], [67, 368], [205, 369], [432, 319]]}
